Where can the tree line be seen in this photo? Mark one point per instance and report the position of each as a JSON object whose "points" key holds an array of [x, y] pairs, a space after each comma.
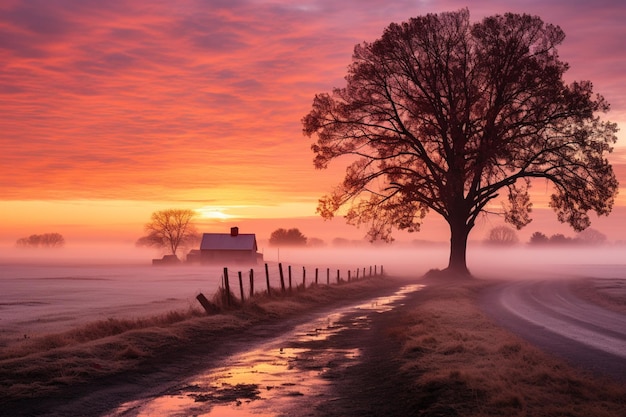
{"points": [[175, 229], [507, 236], [45, 240]]}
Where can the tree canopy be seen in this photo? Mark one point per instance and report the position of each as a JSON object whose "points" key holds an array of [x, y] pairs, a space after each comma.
{"points": [[444, 115], [588, 237], [538, 238], [170, 229], [284, 237]]}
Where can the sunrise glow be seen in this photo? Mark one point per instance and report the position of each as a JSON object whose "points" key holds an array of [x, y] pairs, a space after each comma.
{"points": [[111, 111], [213, 213]]}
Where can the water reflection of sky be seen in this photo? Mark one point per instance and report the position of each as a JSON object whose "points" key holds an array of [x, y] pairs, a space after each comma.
{"points": [[290, 372]]}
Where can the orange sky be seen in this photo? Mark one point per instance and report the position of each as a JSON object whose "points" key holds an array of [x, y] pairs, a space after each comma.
{"points": [[111, 110]]}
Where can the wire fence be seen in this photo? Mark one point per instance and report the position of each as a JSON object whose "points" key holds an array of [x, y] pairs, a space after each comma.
{"points": [[286, 279]]}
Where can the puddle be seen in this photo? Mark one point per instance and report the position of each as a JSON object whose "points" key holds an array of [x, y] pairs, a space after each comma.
{"points": [[286, 373]]}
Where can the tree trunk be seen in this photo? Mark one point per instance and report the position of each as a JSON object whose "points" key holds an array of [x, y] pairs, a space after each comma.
{"points": [[459, 233]]}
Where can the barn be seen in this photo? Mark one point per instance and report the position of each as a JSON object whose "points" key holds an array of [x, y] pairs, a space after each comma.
{"points": [[233, 247]]}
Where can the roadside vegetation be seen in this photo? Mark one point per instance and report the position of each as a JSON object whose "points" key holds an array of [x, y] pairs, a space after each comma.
{"points": [[465, 365]]}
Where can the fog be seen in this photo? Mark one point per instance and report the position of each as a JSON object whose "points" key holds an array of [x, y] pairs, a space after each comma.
{"points": [[519, 262], [53, 290], [82, 253], [406, 258]]}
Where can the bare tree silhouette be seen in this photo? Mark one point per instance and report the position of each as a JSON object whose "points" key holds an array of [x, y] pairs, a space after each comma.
{"points": [[502, 236], [445, 115], [170, 229]]}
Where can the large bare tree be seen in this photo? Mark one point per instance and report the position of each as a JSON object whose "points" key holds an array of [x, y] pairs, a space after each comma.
{"points": [[442, 114], [170, 229]]}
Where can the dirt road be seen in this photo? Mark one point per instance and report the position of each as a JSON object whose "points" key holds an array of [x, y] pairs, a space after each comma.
{"points": [[552, 316], [321, 367], [330, 362]]}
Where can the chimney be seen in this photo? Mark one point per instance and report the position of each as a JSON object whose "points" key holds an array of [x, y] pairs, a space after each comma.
{"points": [[234, 231]]}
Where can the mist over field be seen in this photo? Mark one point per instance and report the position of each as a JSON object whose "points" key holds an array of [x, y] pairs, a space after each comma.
{"points": [[483, 261], [402, 259], [45, 293], [51, 290]]}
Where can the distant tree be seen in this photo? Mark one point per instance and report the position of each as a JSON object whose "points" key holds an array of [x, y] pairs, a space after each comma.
{"points": [[538, 238], [341, 242], [560, 239], [170, 229], [284, 237], [444, 114], [502, 236], [46, 240], [315, 242], [591, 237]]}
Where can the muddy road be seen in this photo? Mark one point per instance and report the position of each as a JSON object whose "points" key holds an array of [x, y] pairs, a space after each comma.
{"points": [[329, 362], [294, 373]]}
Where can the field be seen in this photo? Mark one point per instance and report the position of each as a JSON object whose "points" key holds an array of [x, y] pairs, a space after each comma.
{"points": [[57, 290], [66, 324]]}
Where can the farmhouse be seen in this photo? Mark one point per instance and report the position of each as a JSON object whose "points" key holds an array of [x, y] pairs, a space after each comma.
{"points": [[227, 248]]}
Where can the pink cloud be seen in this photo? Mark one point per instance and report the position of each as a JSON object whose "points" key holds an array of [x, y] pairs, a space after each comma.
{"points": [[132, 99]]}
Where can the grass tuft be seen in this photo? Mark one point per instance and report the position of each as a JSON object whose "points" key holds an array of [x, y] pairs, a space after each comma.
{"points": [[130, 353]]}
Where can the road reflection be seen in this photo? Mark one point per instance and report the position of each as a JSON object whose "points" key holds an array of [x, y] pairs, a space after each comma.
{"points": [[289, 372]]}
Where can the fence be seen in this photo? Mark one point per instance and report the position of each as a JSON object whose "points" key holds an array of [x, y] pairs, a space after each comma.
{"points": [[285, 284]]}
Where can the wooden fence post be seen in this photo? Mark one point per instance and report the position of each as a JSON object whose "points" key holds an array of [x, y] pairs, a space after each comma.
{"points": [[282, 277], [227, 286], [370, 270], [303, 278], [289, 269], [251, 282], [375, 273], [316, 274], [267, 279], [240, 286], [357, 274], [381, 270], [338, 278], [363, 272], [209, 307], [327, 276], [349, 275]]}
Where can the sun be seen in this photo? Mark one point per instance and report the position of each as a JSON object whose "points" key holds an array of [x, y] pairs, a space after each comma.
{"points": [[209, 212]]}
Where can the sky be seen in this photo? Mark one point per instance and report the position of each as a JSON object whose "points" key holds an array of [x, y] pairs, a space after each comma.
{"points": [[111, 110]]}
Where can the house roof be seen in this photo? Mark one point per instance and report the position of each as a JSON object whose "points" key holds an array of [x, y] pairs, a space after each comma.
{"points": [[224, 241]]}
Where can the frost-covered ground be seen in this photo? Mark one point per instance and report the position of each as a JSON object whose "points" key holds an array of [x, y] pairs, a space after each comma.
{"points": [[50, 298], [52, 291], [59, 290]]}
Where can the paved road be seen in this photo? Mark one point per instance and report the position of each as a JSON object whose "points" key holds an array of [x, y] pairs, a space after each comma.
{"points": [[548, 314]]}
